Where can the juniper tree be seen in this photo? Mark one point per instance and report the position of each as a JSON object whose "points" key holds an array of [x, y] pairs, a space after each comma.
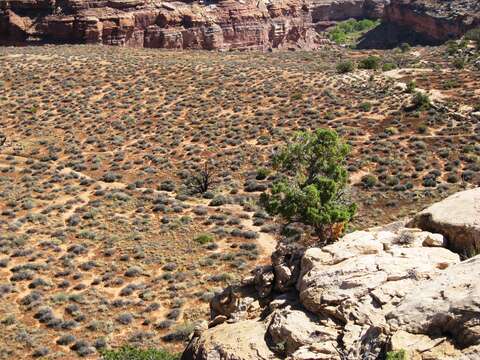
{"points": [[311, 183]]}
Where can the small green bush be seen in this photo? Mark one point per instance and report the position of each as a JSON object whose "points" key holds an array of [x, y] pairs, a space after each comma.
{"points": [[452, 47], [422, 128], [405, 47], [369, 181], [473, 35], [397, 355], [365, 106], [370, 63], [262, 173], [459, 63], [421, 101], [344, 67], [204, 238], [411, 86], [132, 353], [388, 66]]}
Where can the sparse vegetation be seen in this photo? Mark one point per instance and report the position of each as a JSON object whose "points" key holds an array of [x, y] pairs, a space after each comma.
{"points": [[131, 353], [99, 218]]}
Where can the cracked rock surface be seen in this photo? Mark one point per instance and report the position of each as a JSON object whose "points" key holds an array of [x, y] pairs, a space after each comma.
{"points": [[388, 288]]}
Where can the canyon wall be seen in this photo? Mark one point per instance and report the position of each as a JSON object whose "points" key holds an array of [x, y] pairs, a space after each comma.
{"points": [[222, 25], [436, 20]]}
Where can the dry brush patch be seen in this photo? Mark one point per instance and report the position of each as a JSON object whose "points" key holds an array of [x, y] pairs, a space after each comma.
{"points": [[103, 241]]}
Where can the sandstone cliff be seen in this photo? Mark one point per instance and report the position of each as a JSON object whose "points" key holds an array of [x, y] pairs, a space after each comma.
{"points": [[388, 288], [437, 20], [226, 24]]}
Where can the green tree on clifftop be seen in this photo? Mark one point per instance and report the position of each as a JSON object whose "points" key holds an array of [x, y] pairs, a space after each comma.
{"points": [[311, 181]]}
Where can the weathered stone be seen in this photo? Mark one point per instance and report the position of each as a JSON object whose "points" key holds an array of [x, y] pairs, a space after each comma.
{"points": [[219, 319], [420, 347], [434, 240], [243, 340], [295, 328], [447, 304], [457, 218], [264, 280]]}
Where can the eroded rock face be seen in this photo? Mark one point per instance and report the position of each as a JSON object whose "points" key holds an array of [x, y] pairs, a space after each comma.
{"points": [[243, 340], [438, 20], [457, 218], [448, 305], [227, 24], [393, 287]]}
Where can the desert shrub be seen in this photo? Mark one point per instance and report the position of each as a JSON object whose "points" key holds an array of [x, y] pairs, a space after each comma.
{"points": [[262, 173], [132, 353], [365, 106], [40, 352], [203, 180], [125, 318], [167, 185], [218, 200], [452, 178], [110, 177], [473, 35], [421, 101], [422, 128], [66, 339], [411, 86], [369, 181], [397, 355], [204, 238], [371, 62], [180, 332], [459, 63], [344, 67], [311, 181], [405, 47], [452, 47], [388, 66]]}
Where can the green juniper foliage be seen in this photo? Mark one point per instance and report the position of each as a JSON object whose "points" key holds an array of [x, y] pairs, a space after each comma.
{"points": [[311, 183], [397, 355]]}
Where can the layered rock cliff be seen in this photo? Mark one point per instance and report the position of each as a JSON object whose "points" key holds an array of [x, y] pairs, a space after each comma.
{"points": [[396, 287], [437, 20], [221, 24], [226, 24]]}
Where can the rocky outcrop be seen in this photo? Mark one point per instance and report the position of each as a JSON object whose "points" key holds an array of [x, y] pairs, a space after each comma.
{"points": [[436, 20], [223, 25], [458, 218], [388, 288]]}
